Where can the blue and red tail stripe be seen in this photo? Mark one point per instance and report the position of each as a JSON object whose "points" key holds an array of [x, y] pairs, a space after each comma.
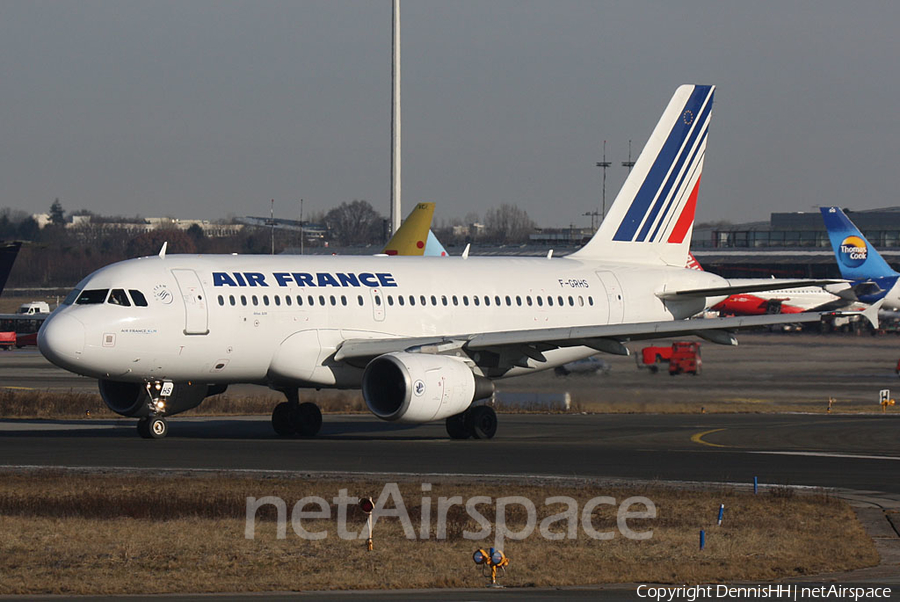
{"points": [[676, 162]]}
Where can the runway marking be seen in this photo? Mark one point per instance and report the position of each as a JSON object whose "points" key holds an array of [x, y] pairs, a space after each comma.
{"points": [[698, 438], [19, 388], [825, 455]]}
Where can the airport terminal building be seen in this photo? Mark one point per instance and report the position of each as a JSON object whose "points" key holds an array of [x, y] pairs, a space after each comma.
{"points": [[790, 245]]}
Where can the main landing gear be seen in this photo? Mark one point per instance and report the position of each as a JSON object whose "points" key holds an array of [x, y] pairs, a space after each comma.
{"points": [[479, 422], [294, 418]]}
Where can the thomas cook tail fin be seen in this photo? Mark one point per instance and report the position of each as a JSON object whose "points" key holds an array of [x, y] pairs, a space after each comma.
{"points": [[652, 218], [856, 258]]}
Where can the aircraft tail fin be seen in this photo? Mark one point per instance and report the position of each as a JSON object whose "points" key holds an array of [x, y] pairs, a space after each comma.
{"points": [[8, 253], [856, 258], [412, 235], [693, 264], [433, 247], [652, 218]]}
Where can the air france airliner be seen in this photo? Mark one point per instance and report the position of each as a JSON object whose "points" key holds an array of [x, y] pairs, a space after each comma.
{"points": [[423, 337]]}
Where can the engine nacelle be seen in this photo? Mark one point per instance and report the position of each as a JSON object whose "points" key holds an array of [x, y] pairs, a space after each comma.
{"points": [[415, 387], [130, 399]]}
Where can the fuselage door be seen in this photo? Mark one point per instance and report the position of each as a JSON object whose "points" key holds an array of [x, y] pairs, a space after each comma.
{"points": [[614, 295], [377, 304], [196, 317]]}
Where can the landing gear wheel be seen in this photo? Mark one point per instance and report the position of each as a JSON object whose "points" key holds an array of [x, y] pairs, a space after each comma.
{"points": [[142, 429], [457, 428], [157, 427], [307, 420], [482, 421], [281, 420]]}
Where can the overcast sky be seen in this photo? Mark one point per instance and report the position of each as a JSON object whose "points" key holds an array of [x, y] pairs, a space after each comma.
{"points": [[205, 109]]}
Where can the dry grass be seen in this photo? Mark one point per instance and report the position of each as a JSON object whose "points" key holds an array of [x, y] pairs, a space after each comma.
{"points": [[725, 405], [16, 403], [100, 534]]}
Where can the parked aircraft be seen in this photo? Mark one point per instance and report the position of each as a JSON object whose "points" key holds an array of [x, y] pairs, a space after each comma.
{"points": [[859, 261], [423, 337], [787, 300]]}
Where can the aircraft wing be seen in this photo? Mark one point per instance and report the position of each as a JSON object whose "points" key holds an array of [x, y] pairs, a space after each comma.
{"points": [[607, 338], [726, 291]]}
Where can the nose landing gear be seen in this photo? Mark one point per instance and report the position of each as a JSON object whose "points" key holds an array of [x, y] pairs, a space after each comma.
{"points": [[155, 426], [294, 418]]}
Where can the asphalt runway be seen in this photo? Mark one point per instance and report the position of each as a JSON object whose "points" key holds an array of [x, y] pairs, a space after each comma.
{"points": [[854, 452]]}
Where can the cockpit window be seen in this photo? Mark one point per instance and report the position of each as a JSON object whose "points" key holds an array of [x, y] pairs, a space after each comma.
{"points": [[138, 297], [70, 298], [92, 297], [118, 297]]}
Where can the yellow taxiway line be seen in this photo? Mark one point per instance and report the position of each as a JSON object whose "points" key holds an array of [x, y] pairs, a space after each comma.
{"points": [[698, 438]]}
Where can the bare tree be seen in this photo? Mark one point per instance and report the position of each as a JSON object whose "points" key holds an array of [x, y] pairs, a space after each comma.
{"points": [[508, 223], [355, 223]]}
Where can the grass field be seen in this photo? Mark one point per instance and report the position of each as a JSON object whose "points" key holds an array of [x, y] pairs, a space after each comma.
{"points": [[102, 534], [15, 403]]}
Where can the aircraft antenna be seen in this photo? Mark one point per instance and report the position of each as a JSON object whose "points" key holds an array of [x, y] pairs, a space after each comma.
{"points": [[302, 233], [272, 220], [162, 251]]}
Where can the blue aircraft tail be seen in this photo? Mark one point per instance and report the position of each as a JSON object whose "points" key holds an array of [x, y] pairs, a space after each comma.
{"points": [[856, 258]]}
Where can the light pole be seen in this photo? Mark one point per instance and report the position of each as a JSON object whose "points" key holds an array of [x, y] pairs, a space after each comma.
{"points": [[603, 165]]}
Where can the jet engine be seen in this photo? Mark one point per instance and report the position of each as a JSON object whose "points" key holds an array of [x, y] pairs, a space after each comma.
{"points": [[415, 387], [131, 399]]}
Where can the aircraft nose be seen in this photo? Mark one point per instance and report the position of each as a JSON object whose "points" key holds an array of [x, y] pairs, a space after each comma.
{"points": [[61, 340]]}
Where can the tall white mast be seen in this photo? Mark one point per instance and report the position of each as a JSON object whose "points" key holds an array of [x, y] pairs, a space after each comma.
{"points": [[395, 123]]}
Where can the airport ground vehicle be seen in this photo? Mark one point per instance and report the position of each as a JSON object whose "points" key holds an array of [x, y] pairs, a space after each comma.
{"points": [[20, 329], [683, 357]]}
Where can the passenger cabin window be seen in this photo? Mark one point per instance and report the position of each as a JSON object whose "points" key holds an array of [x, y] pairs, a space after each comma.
{"points": [[138, 297], [221, 300], [92, 297]]}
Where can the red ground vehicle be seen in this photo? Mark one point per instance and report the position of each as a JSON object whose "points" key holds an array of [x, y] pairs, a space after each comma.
{"points": [[682, 356], [7, 339], [20, 330]]}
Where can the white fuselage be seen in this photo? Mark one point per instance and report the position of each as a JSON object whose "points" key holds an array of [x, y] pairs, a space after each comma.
{"points": [[225, 319]]}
